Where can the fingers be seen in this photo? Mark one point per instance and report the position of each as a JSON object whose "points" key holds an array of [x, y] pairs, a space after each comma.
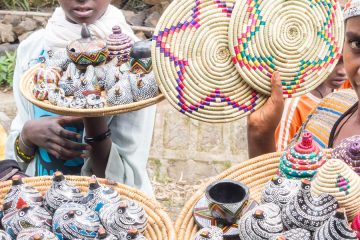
{"points": [[276, 87], [64, 120], [62, 153], [62, 132], [66, 149]]}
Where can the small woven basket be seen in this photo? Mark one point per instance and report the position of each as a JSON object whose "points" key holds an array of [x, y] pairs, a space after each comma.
{"points": [[26, 86], [160, 227], [253, 172]]}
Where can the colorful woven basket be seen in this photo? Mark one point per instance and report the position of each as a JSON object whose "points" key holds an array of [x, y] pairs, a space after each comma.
{"points": [[302, 39], [193, 65], [160, 227], [26, 86]]}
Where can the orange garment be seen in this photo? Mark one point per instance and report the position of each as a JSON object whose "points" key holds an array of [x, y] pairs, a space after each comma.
{"points": [[296, 111], [346, 85]]}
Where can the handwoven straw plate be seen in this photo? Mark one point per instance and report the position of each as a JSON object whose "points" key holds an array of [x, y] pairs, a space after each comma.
{"points": [[302, 39], [26, 86], [193, 66], [160, 227]]}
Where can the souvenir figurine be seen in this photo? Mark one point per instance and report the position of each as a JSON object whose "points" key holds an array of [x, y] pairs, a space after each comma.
{"points": [[84, 87], [356, 225], [4, 235], [70, 80], [108, 75], [87, 50], [142, 78], [263, 222], [294, 234], [120, 93], [78, 102], [25, 217], [36, 234], [58, 59], [302, 160], [99, 195], [348, 150], [339, 180], [63, 102], [41, 91], [75, 221], [280, 190], [209, 233], [123, 216], [20, 190], [307, 211], [94, 101], [55, 95], [49, 75], [132, 234], [335, 228], [119, 45], [102, 234], [60, 192]]}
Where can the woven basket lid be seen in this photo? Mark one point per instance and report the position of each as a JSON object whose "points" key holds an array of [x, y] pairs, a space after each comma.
{"points": [[193, 65], [348, 150], [301, 39]]}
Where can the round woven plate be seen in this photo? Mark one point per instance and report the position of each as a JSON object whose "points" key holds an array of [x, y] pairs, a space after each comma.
{"points": [[193, 65], [26, 86], [302, 39], [159, 227]]}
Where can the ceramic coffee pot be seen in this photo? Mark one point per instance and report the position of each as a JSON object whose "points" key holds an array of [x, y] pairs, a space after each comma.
{"points": [[20, 190], [102, 234], [36, 234], [123, 216], [142, 78], [335, 228], [26, 216], [4, 235], [119, 45], [99, 195], [294, 234], [263, 222], [349, 151], [307, 211], [280, 190], [209, 233], [60, 192]]}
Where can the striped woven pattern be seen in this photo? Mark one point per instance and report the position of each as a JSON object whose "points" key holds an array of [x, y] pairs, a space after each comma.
{"points": [[193, 65], [302, 39]]}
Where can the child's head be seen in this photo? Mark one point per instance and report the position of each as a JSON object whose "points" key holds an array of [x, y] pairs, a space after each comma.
{"points": [[337, 77], [84, 11]]}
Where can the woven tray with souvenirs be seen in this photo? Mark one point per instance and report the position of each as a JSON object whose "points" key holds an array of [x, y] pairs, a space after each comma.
{"points": [[92, 77]]}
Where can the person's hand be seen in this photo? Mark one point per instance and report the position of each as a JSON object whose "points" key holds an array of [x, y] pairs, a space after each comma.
{"points": [[49, 133]]}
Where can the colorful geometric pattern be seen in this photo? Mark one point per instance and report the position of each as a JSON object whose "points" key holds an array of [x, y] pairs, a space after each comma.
{"points": [[192, 62], [302, 39]]}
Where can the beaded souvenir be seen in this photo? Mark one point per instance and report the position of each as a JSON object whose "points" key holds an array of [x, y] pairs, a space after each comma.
{"points": [[339, 180], [294, 234], [58, 59], [140, 61], [4, 235], [41, 91], [94, 101], [60, 192], [84, 87], [280, 190], [25, 217], [75, 221], [143, 86], [123, 216], [349, 151], [55, 95], [36, 234], [302, 160], [108, 75], [20, 190], [307, 211], [102, 234], [356, 225], [132, 234], [119, 45], [78, 102], [99, 195], [120, 93], [49, 75], [209, 233], [335, 228], [63, 102], [70, 79], [263, 222]]}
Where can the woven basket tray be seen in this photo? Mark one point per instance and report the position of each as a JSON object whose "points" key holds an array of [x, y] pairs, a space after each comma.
{"points": [[26, 86], [160, 227], [253, 172]]}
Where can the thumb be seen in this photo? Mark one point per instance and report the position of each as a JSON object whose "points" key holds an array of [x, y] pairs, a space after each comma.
{"points": [[64, 120], [276, 89]]}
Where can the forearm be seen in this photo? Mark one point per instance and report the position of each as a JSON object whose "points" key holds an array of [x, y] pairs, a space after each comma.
{"points": [[99, 152], [260, 143]]}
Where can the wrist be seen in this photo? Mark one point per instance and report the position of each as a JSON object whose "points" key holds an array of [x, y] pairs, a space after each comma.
{"points": [[25, 136]]}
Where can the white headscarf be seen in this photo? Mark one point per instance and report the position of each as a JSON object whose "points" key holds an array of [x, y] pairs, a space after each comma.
{"points": [[352, 9], [60, 32]]}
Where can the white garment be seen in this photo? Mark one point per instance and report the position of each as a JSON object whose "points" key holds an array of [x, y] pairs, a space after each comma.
{"points": [[131, 132]]}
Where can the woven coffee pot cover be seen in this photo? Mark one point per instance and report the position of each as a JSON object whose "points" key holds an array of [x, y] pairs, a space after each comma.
{"points": [[302, 39], [193, 65]]}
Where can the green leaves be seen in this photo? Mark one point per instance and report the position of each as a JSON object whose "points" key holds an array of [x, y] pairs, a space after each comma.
{"points": [[7, 66]]}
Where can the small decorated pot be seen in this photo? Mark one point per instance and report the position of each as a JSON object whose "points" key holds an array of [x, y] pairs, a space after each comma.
{"points": [[75, 221], [294, 234], [280, 190], [70, 80], [87, 50], [140, 57], [78, 103], [263, 222], [60, 192], [356, 225], [307, 211], [63, 102], [121, 217], [209, 233], [20, 190], [94, 101], [102, 234], [25, 217], [120, 93], [84, 87], [119, 45], [55, 95], [132, 234], [41, 91], [143, 86], [349, 151], [49, 75], [108, 75], [335, 228], [58, 59], [36, 234], [99, 195], [302, 160], [4, 235]]}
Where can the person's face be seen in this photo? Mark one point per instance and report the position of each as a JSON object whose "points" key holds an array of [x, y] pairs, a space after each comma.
{"points": [[337, 77], [352, 52], [84, 11]]}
